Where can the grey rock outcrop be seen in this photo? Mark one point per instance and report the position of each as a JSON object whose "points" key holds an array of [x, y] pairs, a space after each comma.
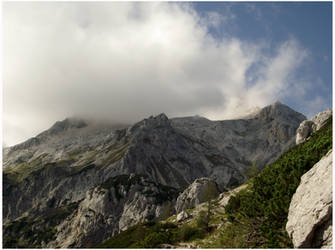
{"points": [[225, 197], [307, 127], [111, 207], [183, 215], [320, 119], [196, 193], [310, 213]]}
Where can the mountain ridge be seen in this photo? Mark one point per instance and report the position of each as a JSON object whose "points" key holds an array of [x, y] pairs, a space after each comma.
{"points": [[258, 214], [79, 122], [76, 158]]}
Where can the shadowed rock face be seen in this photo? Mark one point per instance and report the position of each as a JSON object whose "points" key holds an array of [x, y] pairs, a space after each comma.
{"points": [[310, 213], [59, 166]]}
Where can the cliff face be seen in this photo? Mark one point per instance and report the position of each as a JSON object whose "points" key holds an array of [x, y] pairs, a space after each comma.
{"points": [[310, 214], [116, 204], [63, 170]]}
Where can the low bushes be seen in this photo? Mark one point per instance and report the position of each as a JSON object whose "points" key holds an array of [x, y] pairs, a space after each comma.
{"points": [[263, 208], [153, 234]]}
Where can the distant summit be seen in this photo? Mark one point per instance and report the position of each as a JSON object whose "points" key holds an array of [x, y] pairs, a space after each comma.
{"points": [[281, 112], [275, 110]]}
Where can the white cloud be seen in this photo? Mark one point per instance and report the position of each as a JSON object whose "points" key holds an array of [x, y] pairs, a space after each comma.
{"points": [[126, 61]]}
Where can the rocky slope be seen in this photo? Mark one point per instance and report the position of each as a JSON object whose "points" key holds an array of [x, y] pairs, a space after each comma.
{"points": [[255, 213], [310, 215], [62, 169], [309, 222]]}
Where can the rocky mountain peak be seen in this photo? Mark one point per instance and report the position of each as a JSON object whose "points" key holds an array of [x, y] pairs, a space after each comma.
{"points": [[280, 112], [66, 124], [150, 123], [157, 120]]}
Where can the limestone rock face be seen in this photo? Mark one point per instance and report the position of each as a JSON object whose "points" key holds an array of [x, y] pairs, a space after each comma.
{"points": [[310, 213], [321, 118], [66, 164], [323, 235], [196, 193], [113, 206], [307, 127]]}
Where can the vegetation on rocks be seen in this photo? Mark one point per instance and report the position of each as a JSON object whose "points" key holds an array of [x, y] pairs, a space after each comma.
{"points": [[87, 164], [204, 217], [253, 218], [115, 153], [23, 169], [34, 231], [258, 215]]}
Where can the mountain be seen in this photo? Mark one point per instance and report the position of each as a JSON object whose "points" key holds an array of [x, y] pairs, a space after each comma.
{"points": [[97, 177], [288, 204]]}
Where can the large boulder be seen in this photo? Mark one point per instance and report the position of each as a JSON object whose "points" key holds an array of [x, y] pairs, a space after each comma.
{"points": [[198, 192], [320, 119], [183, 215], [310, 213], [307, 127]]}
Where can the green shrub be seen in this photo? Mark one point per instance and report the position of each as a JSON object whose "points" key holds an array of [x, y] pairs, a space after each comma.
{"points": [[152, 234], [187, 233], [168, 225], [264, 206], [154, 239], [202, 221]]}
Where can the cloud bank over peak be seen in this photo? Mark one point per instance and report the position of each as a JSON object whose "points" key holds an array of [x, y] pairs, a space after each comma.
{"points": [[126, 61]]}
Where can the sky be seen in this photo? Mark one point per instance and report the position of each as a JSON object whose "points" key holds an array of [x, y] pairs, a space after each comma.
{"points": [[125, 61]]}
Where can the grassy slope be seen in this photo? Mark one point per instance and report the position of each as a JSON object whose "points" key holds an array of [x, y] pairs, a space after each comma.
{"points": [[254, 217], [152, 234], [258, 215]]}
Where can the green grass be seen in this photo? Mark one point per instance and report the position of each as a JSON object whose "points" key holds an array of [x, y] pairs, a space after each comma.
{"points": [[152, 234], [16, 174], [20, 172], [115, 153], [258, 215]]}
